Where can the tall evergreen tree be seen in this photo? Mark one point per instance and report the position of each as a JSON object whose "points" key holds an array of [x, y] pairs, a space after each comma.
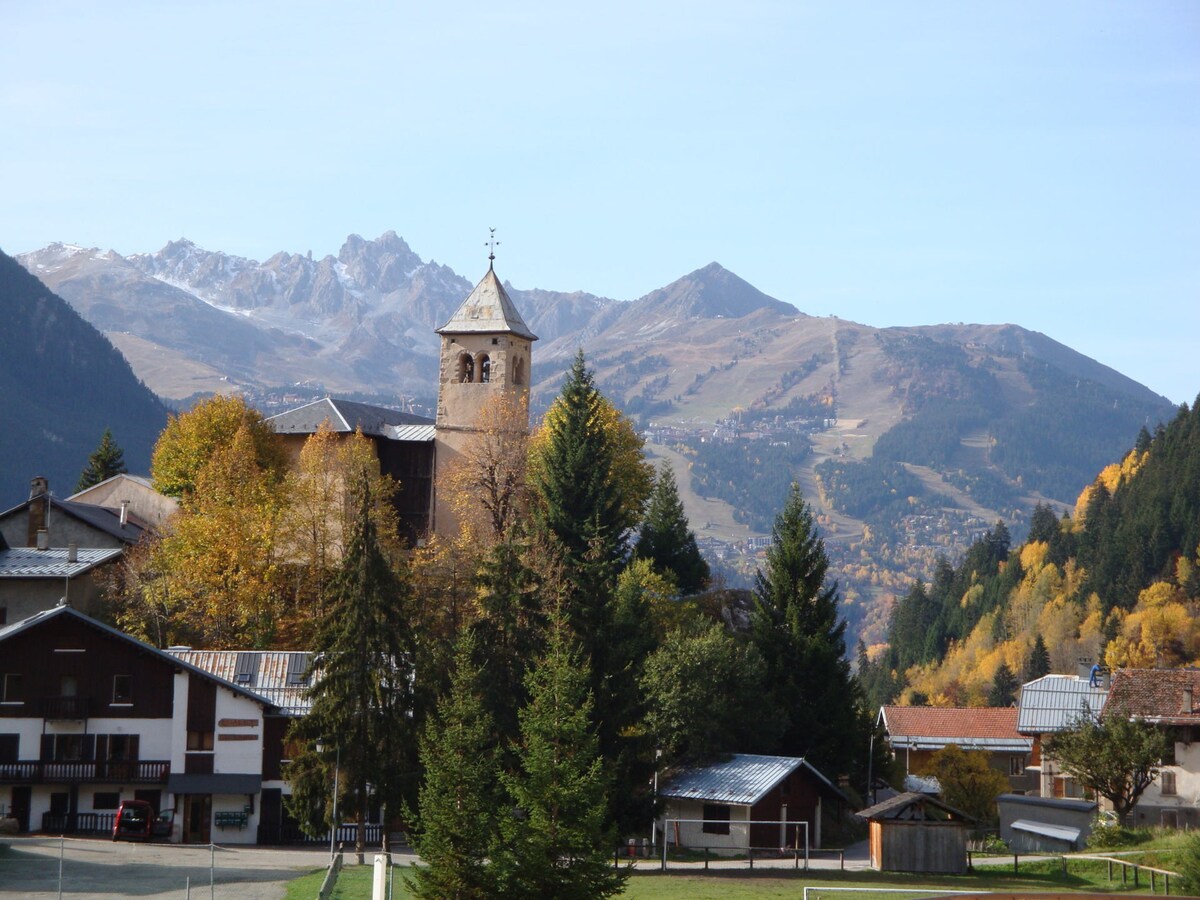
{"points": [[1004, 687], [107, 460], [1038, 663], [556, 847], [362, 701], [798, 632], [666, 540], [460, 796]]}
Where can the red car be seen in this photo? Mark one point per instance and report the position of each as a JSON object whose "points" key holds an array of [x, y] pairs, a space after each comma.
{"points": [[136, 821]]}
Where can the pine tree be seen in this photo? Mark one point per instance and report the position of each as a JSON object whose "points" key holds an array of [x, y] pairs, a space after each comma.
{"points": [[556, 846], [107, 460], [459, 798], [666, 540], [362, 701], [796, 627], [1038, 663], [1004, 687]]}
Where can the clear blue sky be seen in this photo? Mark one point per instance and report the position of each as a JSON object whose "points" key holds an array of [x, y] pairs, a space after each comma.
{"points": [[891, 163]]}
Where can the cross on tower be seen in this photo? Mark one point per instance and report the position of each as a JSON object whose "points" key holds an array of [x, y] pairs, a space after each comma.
{"points": [[491, 243]]}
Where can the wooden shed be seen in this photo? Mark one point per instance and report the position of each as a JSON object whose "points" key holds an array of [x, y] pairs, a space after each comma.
{"points": [[917, 833]]}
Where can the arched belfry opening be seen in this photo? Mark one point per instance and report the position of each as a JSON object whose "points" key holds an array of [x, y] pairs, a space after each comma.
{"points": [[485, 368], [466, 369]]}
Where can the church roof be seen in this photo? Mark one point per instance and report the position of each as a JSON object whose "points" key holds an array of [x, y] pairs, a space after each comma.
{"points": [[346, 416], [488, 310]]}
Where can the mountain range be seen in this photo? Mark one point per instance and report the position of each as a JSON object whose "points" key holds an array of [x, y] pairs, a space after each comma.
{"points": [[908, 441]]}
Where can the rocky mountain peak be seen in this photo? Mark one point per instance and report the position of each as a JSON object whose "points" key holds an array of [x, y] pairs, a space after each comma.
{"points": [[711, 292]]}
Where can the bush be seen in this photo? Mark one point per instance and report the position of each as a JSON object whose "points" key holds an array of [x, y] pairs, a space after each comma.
{"points": [[1189, 864], [1109, 834]]}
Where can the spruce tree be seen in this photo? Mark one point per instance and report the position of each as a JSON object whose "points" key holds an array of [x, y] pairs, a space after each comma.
{"points": [[666, 540], [1004, 687], [362, 700], [798, 633], [107, 460], [459, 798], [1038, 663], [555, 845]]}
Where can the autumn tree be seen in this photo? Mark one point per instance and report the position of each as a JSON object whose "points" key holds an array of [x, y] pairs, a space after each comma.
{"points": [[107, 460], [191, 438], [967, 782], [556, 844], [665, 538], [460, 798], [362, 699], [1118, 757]]}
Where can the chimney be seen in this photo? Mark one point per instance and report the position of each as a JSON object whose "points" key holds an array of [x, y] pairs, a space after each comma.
{"points": [[72, 553], [39, 508], [1187, 700], [124, 512], [42, 540]]}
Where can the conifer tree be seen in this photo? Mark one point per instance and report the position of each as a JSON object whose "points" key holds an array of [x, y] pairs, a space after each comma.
{"points": [[1004, 687], [801, 639], [666, 540], [107, 460], [1038, 663], [556, 846], [459, 798], [362, 701]]}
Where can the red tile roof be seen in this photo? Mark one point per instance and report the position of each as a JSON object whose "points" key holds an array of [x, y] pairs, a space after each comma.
{"points": [[952, 722], [1155, 694]]}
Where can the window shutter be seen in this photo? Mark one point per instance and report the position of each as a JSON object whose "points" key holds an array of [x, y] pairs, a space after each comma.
{"points": [[134, 739]]}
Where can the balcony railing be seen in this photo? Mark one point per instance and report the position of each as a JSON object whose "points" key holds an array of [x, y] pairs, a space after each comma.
{"points": [[143, 771], [66, 707], [77, 823]]}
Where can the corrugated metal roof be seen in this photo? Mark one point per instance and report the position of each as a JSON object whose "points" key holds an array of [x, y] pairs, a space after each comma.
{"points": [[27, 562], [414, 433], [972, 728], [742, 780], [344, 416], [1058, 832], [487, 310], [1053, 702], [274, 675]]}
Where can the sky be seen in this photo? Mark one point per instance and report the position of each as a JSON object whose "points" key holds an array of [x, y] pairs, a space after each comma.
{"points": [[889, 163]]}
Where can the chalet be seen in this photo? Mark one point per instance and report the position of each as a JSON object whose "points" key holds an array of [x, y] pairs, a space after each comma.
{"points": [[913, 832], [748, 802], [1166, 698], [90, 717], [917, 732], [1050, 704]]}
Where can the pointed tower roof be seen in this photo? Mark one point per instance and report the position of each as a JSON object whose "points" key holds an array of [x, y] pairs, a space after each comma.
{"points": [[488, 310]]}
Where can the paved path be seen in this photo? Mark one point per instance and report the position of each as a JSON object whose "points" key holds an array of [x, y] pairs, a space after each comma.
{"points": [[94, 868]]}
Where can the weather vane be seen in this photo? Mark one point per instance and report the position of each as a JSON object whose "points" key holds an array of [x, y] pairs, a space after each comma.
{"points": [[491, 243]]}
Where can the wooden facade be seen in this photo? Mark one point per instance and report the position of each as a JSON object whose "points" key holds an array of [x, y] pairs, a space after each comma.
{"points": [[914, 832]]}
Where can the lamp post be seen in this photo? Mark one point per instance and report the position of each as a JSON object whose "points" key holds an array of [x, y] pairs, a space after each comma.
{"points": [[337, 764]]}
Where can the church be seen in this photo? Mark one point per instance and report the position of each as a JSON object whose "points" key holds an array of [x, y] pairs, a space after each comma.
{"points": [[486, 350]]}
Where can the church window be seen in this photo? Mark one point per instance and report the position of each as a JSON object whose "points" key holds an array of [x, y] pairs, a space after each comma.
{"points": [[485, 368], [466, 368], [519, 371]]}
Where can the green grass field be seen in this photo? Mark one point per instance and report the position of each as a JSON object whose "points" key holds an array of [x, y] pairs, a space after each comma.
{"points": [[1034, 875]]}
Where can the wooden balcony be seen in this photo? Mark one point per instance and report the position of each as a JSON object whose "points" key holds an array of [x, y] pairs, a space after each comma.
{"points": [[114, 771], [66, 707]]}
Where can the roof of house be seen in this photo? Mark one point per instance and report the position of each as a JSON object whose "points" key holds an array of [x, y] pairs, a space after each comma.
{"points": [[100, 517], [1048, 802], [913, 807], [345, 416], [144, 504], [1166, 696], [487, 310], [280, 677], [972, 728], [1053, 702], [743, 779], [46, 615], [1045, 829], [28, 562]]}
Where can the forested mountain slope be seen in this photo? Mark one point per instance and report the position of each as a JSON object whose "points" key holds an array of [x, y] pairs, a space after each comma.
{"points": [[61, 384], [1116, 581]]}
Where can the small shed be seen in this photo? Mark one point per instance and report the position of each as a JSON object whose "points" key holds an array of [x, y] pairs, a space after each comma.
{"points": [[914, 832], [1044, 824]]}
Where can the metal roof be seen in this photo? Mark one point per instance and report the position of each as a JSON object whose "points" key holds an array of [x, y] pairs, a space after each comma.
{"points": [[28, 562], [411, 433], [1047, 802], [1058, 832], [488, 310], [102, 518], [742, 780], [276, 676], [344, 417], [1053, 702]]}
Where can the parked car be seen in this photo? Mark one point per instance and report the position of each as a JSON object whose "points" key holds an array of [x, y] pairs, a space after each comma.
{"points": [[136, 821]]}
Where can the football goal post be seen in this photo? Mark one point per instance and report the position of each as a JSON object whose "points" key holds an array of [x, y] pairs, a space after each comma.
{"points": [[789, 830]]}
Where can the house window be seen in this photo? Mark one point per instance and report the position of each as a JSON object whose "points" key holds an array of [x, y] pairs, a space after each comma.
{"points": [[123, 746], [68, 686], [1169, 757], [716, 818], [122, 689], [1167, 783], [10, 689], [1016, 765], [199, 741], [68, 747], [106, 800], [10, 744]]}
